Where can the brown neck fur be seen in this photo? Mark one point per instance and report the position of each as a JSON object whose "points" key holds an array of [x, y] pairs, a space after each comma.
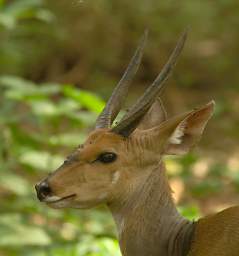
{"points": [[148, 221]]}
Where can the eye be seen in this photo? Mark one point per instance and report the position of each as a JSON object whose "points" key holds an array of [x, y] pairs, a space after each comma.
{"points": [[67, 161], [107, 157]]}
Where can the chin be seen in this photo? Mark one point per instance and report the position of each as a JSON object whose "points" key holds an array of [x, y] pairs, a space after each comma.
{"points": [[59, 205], [71, 204], [85, 205]]}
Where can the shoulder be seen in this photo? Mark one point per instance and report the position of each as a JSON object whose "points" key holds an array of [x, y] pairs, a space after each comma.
{"points": [[217, 234]]}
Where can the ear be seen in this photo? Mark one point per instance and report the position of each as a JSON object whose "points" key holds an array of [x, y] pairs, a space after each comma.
{"points": [[188, 131], [155, 116]]}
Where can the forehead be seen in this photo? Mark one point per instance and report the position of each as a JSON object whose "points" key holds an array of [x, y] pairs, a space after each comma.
{"points": [[104, 136], [98, 141]]}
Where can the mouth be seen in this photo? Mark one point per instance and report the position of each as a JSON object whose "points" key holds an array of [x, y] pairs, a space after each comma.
{"points": [[56, 199]]}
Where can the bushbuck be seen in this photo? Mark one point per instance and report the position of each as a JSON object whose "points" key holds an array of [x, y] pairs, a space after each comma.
{"points": [[121, 165]]}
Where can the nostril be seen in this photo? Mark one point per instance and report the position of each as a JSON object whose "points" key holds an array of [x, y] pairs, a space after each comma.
{"points": [[43, 190]]}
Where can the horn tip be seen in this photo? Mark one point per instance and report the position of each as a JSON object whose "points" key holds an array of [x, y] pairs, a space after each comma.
{"points": [[146, 32], [144, 38], [185, 34]]}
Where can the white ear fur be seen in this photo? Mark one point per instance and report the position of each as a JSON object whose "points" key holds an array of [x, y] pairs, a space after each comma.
{"points": [[188, 132], [177, 136]]}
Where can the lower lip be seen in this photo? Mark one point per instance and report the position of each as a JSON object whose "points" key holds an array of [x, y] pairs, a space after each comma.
{"points": [[61, 199]]}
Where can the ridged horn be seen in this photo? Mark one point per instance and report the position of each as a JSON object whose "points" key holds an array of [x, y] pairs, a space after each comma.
{"points": [[131, 119], [114, 104]]}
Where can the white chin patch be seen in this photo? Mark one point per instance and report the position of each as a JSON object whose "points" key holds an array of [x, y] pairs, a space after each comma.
{"points": [[52, 199], [57, 205]]}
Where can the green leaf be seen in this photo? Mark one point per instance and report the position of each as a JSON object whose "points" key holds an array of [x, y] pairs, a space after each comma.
{"points": [[86, 99], [16, 8], [45, 15], [7, 21], [16, 233], [21, 89], [17, 83], [95, 247], [40, 160], [67, 139], [189, 212], [14, 183], [45, 107]]}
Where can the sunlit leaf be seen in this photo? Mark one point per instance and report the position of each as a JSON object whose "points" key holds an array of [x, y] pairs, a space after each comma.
{"points": [[88, 100], [21, 89], [14, 232], [190, 212], [45, 15], [44, 107], [7, 21], [67, 139], [17, 83], [40, 160], [86, 118], [94, 247], [14, 183]]}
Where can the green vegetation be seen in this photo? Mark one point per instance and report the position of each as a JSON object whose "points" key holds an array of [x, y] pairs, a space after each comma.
{"points": [[53, 54], [34, 120]]}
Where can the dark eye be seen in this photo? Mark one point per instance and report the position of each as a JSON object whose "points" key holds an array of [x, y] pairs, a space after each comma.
{"points": [[107, 157], [67, 161]]}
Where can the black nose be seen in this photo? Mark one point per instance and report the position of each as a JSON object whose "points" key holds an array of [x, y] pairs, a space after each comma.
{"points": [[43, 190]]}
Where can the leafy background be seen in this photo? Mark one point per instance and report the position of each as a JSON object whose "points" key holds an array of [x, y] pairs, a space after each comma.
{"points": [[59, 61]]}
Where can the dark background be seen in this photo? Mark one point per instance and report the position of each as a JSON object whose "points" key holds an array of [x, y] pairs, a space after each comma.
{"points": [[60, 60]]}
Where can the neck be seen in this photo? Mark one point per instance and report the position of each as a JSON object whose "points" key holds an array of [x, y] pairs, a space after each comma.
{"points": [[148, 222]]}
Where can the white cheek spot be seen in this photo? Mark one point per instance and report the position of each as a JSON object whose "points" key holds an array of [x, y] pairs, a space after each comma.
{"points": [[115, 178], [176, 137]]}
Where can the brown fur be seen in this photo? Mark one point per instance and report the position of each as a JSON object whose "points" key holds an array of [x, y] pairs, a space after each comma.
{"points": [[217, 234], [136, 189]]}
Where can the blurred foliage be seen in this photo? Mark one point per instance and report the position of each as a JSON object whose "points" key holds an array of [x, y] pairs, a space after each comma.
{"points": [[34, 119], [84, 45]]}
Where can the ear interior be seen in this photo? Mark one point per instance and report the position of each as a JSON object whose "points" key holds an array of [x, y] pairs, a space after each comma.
{"points": [[188, 131]]}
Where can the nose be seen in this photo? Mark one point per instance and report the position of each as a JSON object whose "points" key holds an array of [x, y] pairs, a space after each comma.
{"points": [[43, 190]]}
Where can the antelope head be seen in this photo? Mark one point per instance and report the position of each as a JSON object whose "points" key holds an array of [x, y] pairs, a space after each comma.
{"points": [[116, 159]]}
